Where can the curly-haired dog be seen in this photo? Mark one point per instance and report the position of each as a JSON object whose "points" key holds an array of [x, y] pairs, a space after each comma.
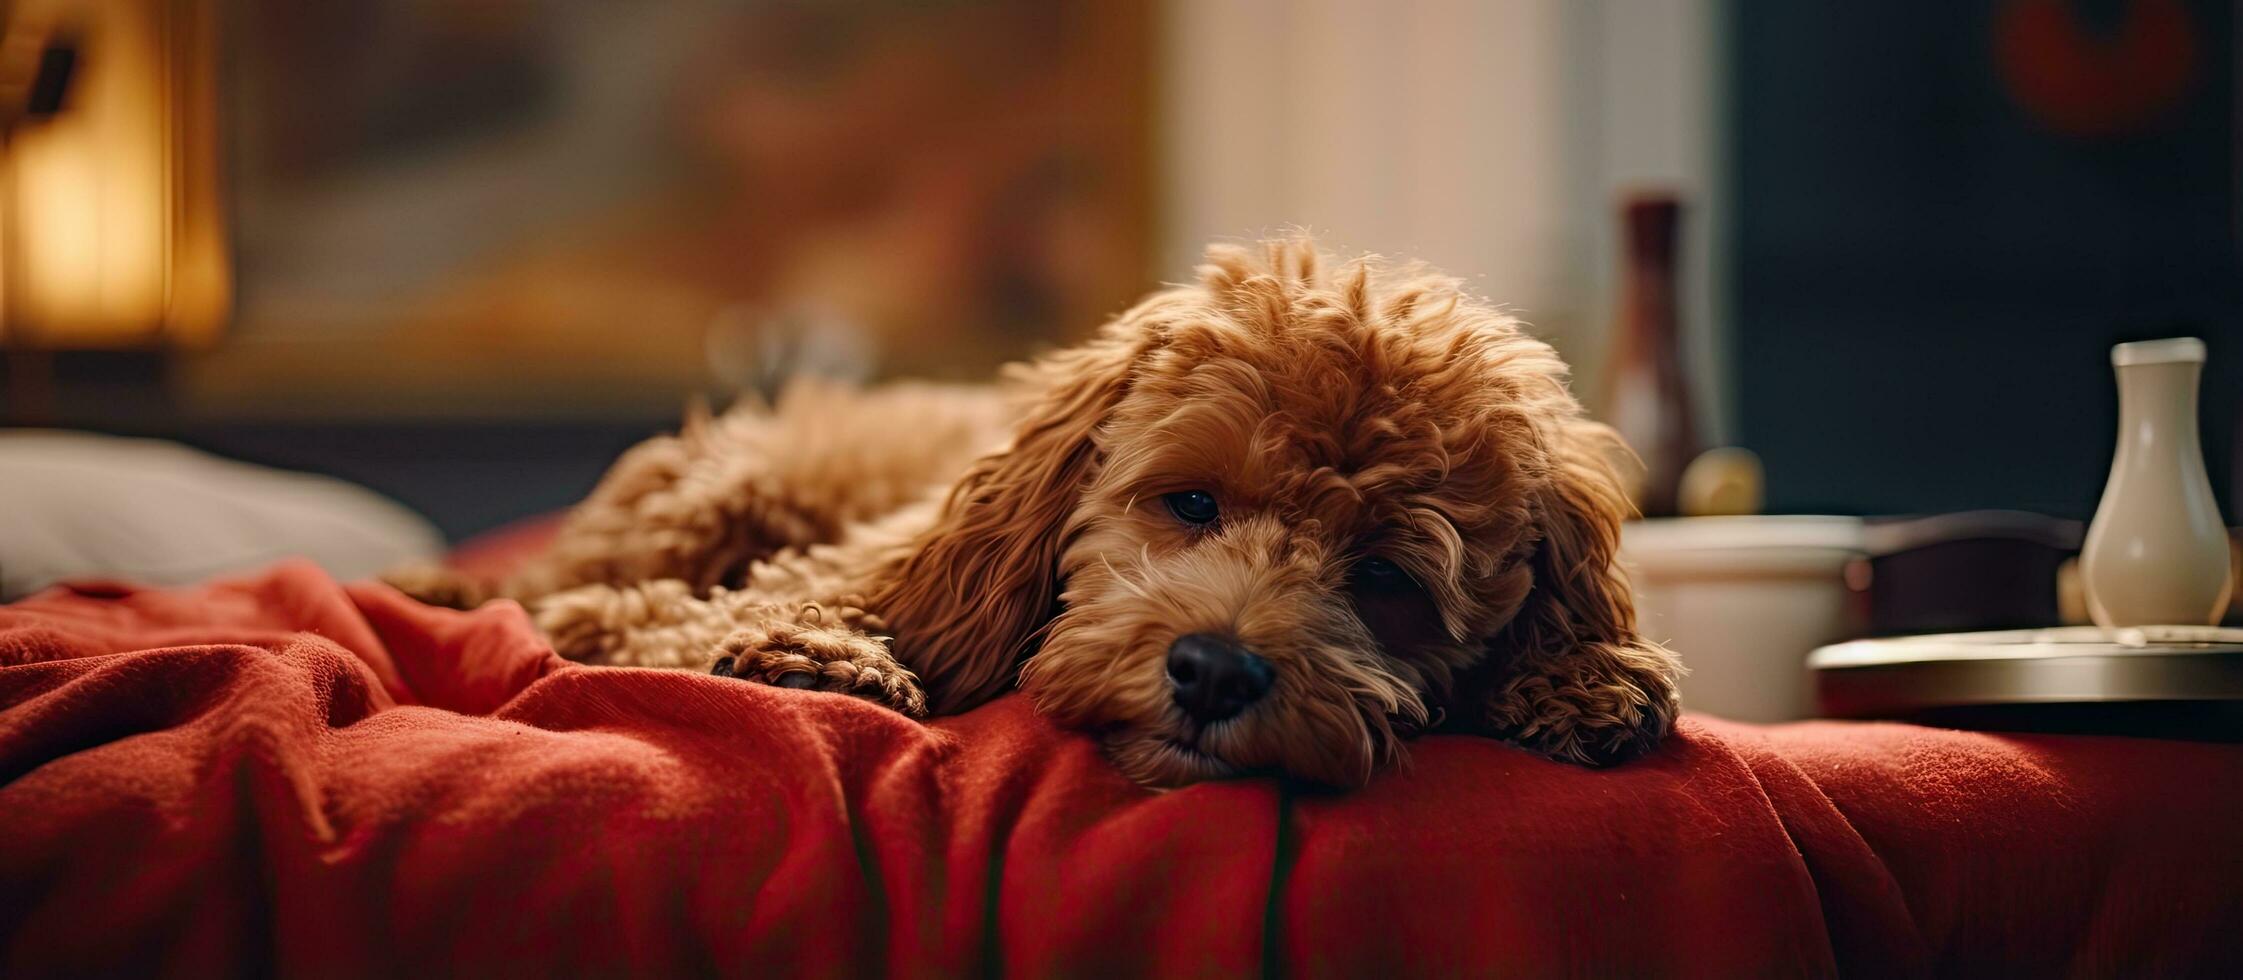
{"points": [[1275, 521]]}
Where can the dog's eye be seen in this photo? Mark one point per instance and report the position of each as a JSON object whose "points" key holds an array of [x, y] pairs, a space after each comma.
{"points": [[1381, 573], [1194, 507]]}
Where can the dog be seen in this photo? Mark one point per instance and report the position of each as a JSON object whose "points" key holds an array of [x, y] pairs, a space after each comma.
{"points": [[1278, 520]]}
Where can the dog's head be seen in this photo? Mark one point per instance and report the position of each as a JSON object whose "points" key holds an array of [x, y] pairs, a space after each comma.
{"points": [[1279, 521]]}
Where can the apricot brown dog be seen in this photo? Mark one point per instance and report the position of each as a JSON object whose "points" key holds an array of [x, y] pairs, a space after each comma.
{"points": [[1277, 520]]}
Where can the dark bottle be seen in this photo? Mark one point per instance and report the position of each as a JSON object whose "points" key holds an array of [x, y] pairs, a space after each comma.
{"points": [[1646, 395]]}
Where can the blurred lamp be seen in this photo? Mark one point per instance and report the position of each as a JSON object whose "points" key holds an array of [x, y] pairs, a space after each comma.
{"points": [[110, 231]]}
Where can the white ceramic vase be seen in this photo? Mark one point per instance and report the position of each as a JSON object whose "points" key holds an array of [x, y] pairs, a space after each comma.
{"points": [[2157, 551]]}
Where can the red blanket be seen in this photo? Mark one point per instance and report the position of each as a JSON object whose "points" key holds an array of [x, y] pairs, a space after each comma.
{"points": [[284, 774]]}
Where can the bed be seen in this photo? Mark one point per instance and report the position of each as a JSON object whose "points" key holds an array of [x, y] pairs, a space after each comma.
{"points": [[283, 773]]}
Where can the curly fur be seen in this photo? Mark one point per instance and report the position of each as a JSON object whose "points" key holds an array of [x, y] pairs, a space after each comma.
{"points": [[874, 543]]}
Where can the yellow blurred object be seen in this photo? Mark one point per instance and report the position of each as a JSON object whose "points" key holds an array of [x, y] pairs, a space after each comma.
{"points": [[1722, 482], [110, 227], [2071, 595]]}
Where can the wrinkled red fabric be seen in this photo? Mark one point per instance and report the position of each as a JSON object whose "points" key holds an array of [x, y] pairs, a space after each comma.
{"points": [[283, 774]]}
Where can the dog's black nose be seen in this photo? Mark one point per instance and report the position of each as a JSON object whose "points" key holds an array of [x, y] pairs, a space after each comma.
{"points": [[1214, 678]]}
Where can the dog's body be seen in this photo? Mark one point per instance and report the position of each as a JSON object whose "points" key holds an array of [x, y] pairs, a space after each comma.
{"points": [[1273, 521]]}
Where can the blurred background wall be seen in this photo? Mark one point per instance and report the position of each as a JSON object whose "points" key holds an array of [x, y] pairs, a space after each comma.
{"points": [[1493, 140], [463, 251], [1945, 214]]}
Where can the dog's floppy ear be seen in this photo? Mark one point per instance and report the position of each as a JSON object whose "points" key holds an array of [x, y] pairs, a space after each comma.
{"points": [[1570, 677], [975, 588]]}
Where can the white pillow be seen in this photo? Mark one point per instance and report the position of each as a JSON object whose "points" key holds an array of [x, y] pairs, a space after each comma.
{"points": [[74, 505]]}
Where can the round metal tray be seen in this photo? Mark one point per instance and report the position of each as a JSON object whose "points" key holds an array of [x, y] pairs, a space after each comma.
{"points": [[2182, 681]]}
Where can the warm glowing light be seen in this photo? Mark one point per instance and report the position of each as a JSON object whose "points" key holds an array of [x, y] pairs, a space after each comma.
{"points": [[109, 206]]}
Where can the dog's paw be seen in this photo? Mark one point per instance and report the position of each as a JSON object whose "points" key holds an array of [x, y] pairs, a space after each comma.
{"points": [[824, 658], [574, 622], [1589, 724], [1594, 744]]}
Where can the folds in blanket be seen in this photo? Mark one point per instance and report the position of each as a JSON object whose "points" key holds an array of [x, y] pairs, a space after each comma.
{"points": [[284, 774]]}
